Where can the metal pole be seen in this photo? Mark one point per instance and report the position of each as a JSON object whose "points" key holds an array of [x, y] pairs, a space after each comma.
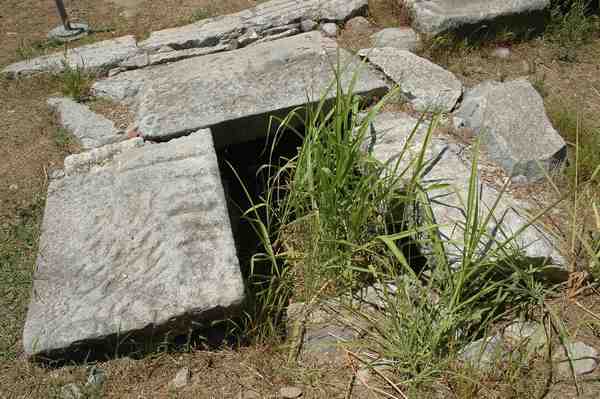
{"points": [[63, 14]]}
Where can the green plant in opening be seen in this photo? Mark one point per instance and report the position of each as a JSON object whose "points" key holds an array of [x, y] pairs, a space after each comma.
{"points": [[75, 82], [572, 26]]}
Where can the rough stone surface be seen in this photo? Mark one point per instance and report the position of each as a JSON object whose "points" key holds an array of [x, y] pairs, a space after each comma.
{"points": [[254, 82], [400, 38], [329, 29], [483, 353], [358, 24], [308, 25], [143, 60], [94, 57], [264, 16], [584, 359], [135, 239], [511, 121], [436, 16], [92, 130], [427, 86], [450, 165], [528, 335]]}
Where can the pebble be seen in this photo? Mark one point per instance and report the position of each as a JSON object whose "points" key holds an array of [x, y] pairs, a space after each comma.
{"points": [[182, 378], [358, 24], [308, 25], [96, 377], [329, 29], [290, 392], [585, 359], [501, 52]]}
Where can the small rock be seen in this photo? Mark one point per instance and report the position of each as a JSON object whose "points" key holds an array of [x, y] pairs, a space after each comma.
{"points": [[14, 187], [71, 391], [531, 334], [329, 29], [290, 392], [501, 52], [400, 38], [182, 378], [483, 353], [249, 37], [358, 24], [308, 25], [165, 49], [584, 359], [96, 377], [115, 71]]}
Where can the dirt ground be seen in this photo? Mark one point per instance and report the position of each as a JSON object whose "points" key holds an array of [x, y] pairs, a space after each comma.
{"points": [[32, 146]]}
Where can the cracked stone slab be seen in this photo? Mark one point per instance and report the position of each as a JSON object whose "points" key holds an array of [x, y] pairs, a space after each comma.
{"points": [[143, 60], [400, 38], [95, 57], [237, 87], [135, 239], [449, 165], [262, 18], [91, 129], [427, 86], [436, 16], [511, 121]]}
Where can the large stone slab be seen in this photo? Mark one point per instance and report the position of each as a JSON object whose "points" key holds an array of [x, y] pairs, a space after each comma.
{"points": [[448, 166], [91, 129], [95, 57], [427, 86], [401, 38], [135, 240], [238, 86], [436, 16], [511, 121], [260, 19]]}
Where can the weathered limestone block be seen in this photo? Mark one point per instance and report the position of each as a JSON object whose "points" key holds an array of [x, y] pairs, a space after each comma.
{"points": [[264, 16], [237, 87], [436, 16], [427, 86], [511, 121], [95, 57], [448, 203], [92, 130], [400, 38], [135, 240]]}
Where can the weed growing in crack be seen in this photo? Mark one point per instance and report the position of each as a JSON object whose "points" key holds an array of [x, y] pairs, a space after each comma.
{"points": [[572, 26], [75, 82]]}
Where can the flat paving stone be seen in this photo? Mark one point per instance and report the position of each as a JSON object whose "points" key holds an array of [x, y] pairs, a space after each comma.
{"points": [[238, 87], [511, 121], [95, 57], [260, 19], [427, 86], [437, 16], [451, 166], [91, 129], [136, 240]]}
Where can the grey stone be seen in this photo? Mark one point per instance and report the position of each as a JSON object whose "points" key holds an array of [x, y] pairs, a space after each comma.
{"points": [[278, 36], [182, 378], [145, 59], [308, 25], [96, 377], [329, 29], [358, 24], [400, 38], [135, 240], [290, 392], [92, 130], [250, 84], [501, 52], [96, 57], [483, 353], [77, 31], [448, 164], [437, 16], [249, 37], [584, 359], [264, 16], [531, 335], [511, 122], [427, 86], [71, 391]]}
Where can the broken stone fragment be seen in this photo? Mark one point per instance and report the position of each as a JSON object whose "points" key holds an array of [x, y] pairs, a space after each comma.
{"points": [[511, 122], [483, 353], [427, 86], [265, 16], [97, 57], [583, 358], [436, 16], [329, 29], [235, 92], [91, 129], [400, 38], [135, 241], [449, 166]]}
